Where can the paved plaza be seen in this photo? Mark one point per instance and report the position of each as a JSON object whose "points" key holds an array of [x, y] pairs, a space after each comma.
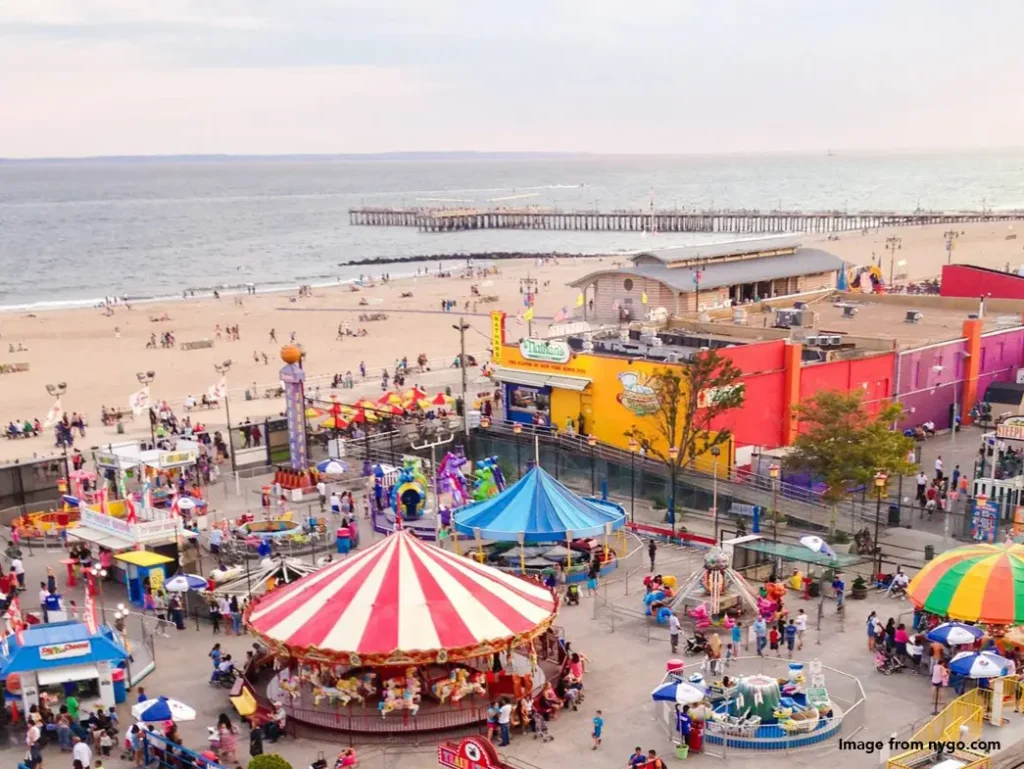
{"points": [[627, 654]]}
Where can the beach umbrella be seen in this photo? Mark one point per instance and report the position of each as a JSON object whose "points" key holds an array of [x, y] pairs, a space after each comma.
{"points": [[332, 467], [182, 583], [679, 692], [365, 403], [955, 633], [442, 400], [817, 545], [331, 423], [185, 503], [981, 583], [313, 413], [980, 665], [162, 709], [414, 394], [393, 410]]}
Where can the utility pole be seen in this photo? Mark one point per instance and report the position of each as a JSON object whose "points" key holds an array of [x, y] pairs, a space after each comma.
{"points": [[461, 328], [893, 244]]}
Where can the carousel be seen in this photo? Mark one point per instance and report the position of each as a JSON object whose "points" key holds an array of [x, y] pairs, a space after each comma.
{"points": [[404, 637]]}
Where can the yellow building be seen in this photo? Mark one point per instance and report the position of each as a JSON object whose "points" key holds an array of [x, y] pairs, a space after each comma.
{"points": [[547, 382]]}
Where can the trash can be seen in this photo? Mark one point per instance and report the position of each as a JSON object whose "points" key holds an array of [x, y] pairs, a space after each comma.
{"points": [[894, 515], [120, 687], [682, 750], [929, 552], [343, 541], [697, 736]]}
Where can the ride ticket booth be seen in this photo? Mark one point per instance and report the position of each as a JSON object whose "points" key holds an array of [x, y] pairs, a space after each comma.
{"points": [[58, 657], [141, 566]]}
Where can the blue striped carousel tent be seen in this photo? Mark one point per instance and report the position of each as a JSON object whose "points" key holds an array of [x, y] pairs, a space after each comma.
{"points": [[540, 509]]}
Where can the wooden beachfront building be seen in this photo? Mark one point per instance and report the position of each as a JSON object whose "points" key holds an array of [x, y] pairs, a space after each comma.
{"points": [[695, 278]]}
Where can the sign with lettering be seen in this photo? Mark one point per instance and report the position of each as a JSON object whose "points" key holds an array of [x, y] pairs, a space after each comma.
{"points": [[170, 458], [65, 650], [108, 461], [97, 520], [711, 395], [471, 753], [497, 335], [983, 521], [198, 345], [1012, 428], [547, 350]]}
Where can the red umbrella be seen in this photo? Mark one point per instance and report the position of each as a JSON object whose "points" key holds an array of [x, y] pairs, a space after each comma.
{"points": [[442, 400]]}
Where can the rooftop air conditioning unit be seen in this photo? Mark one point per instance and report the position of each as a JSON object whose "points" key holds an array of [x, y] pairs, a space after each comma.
{"points": [[812, 341], [835, 340], [800, 305]]}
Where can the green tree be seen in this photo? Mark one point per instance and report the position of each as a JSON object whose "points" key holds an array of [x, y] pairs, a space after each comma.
{"points": [[844, 446], [690, 399]]}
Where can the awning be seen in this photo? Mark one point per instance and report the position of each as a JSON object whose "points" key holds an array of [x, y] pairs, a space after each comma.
{"points": [[49, 676], [101, 538], [535, 379]]}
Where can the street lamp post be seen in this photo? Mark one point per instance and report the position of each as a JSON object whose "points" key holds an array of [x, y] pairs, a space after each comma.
{"points": [[633, 445], [673, 455], [56, 391], [516, 430], [145, 379], [98, 575], [880, 481], [223, 369], [892, 245], [592, 442], [715, 452], [950, 236], [952, 433], [773, 473]]}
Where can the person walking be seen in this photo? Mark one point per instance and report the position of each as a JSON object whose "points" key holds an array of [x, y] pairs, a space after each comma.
{"points": [[228, 734], [673, 632], [760, 629], [801, 629], [872, 630], [652, 550], [598, 728], [505, 721], [791, 637], [940, 678], [737, 636]]}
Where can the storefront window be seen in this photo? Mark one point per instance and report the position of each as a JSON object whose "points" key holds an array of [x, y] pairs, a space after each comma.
{"points": [[529, 405]]}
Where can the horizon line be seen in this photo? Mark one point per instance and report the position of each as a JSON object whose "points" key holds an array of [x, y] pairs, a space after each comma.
{"points": [[441, 155]]}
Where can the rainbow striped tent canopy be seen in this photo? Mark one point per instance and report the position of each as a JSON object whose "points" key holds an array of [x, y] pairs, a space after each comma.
{"points": [[976, 583]]}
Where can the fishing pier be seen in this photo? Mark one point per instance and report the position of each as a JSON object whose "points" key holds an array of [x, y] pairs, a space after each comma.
{"points": [[459, 219]]}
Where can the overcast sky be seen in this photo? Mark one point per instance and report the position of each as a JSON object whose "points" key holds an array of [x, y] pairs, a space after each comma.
{"points": [[103, 77]]}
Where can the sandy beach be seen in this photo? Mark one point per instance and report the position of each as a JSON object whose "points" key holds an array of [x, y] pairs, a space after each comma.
{"points": [[99, 364]]}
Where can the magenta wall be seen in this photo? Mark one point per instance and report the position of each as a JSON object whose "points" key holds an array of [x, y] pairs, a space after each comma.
{"points": [[928, 395]]}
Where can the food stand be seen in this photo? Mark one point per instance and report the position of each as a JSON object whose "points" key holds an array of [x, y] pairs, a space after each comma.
{"points": [[140, 566], [53, 654]]}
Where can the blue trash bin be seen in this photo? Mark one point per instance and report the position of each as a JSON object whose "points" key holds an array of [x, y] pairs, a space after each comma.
{"points": [[120, 686], [343, 542]]}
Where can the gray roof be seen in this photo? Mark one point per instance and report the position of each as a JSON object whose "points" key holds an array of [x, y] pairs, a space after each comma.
{"points": [[719, 250], [806, 261]]}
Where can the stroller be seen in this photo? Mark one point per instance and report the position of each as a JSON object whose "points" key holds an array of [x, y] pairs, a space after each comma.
{"points": [[572, 595], [887, 663], [540, 727]]}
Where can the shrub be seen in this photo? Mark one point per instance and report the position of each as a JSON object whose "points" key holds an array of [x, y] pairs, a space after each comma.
{"points": [[270, 761], [659, 503], [839, 538]]}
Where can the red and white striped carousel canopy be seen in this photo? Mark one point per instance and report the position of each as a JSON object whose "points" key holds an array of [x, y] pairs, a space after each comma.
{"points": [[402, 601]]}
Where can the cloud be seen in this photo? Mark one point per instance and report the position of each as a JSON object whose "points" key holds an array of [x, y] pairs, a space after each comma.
{"points": [[377, 75]]}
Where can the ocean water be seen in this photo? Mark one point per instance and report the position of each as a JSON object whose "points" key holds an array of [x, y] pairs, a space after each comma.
{"points": [[73, 232]]}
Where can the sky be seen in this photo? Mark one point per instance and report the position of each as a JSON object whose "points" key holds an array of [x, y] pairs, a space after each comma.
{"points": [[143, 77]]}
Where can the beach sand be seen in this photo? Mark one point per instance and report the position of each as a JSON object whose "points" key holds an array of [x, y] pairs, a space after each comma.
{"points": [[80, 347]]}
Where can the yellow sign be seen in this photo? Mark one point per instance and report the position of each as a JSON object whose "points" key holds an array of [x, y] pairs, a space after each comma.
{"points": [[156, 579], [497, 335]]}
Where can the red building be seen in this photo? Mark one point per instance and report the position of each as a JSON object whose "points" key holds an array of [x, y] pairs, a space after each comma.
{"points": [[966, 280]]}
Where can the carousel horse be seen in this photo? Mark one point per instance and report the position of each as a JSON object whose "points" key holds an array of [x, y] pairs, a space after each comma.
{"points": [[444, 688], [289, 686], [466, 684], [348, 690], [398, 697]]}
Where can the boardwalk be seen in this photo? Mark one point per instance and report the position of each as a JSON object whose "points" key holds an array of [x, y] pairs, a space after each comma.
{"points": [[454, 220]]}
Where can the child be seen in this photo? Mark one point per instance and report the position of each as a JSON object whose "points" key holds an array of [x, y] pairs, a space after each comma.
{"points": [[598, 726], [737, 635], [73, 611], [728, 655], [492, 720], [773, 641], [106, 743]]}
